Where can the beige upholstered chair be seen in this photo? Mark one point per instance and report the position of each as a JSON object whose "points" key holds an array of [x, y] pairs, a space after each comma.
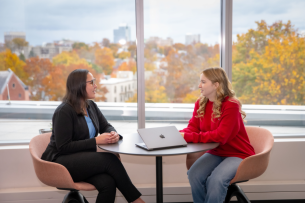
{"points": [[54, 174], [262, 141]]}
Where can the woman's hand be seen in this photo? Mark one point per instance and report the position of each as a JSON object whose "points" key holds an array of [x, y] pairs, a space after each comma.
{"points": [[182, 134], [115, 137], [107, 138]]}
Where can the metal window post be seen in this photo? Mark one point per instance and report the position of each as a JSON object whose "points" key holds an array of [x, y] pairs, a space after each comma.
{"points": [[140, 62], [226, 36]]}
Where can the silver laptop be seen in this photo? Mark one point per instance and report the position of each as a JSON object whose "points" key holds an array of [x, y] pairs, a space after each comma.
{"points": [[159, 138]]}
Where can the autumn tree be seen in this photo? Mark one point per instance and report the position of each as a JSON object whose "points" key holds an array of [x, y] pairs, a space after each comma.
{"points": [[132, 50], [55, 82], [12, 61], [114, 48], [38, 71], [68, 58], [20, 43], [80, 45], [105, 42], [179, 46], [154, 91], [104, 58], [129, 65], [192, 97], [124, 55], [183, 71], [269, 64]]}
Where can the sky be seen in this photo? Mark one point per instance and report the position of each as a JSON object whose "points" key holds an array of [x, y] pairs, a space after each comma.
{"points": [[92, 20]]}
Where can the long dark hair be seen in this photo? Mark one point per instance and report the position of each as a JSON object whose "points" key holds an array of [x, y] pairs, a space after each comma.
{"points": [[76, 93]]}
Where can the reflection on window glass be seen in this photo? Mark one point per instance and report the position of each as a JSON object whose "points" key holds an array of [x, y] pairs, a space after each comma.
{"points": [[269, 52], [42, 42]]}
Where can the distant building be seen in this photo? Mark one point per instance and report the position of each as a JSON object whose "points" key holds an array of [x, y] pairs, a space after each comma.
{"points": [[9, 36], [122, 33], [16, 88], [2, 47], [49, 50], [191, 39], [161, 42], [120, 89], [8, 40]]}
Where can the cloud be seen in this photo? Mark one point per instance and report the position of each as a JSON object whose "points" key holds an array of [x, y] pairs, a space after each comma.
{"points": [[93, 20]]}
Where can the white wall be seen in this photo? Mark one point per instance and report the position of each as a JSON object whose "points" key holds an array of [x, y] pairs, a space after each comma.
{"points": [[284, 178]]}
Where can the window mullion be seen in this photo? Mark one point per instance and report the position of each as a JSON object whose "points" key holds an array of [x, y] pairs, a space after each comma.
{"points": [[140, 62]]}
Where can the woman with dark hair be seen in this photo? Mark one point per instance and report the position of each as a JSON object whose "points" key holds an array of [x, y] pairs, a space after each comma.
{"points": [[217, 117], [76, 123]]}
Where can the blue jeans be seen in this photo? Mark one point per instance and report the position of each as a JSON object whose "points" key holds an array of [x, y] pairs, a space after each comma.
{"points": [[210, 177]]}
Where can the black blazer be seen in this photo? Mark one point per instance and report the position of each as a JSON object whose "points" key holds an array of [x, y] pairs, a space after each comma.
{"points": [[70, 133]]}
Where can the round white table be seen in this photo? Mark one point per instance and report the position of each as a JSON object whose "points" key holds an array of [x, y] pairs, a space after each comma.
{"points": [[127, 146]]}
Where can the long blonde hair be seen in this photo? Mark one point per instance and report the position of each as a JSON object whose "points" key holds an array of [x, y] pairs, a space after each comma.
{"points": [[216, 74]]}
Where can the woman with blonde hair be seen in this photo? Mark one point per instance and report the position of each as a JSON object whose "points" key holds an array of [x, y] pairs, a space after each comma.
{"points": [[217, 117]]}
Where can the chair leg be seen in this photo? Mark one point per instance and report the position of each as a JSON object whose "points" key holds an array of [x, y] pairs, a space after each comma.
{"points": [[235, 190], [74, 196]]}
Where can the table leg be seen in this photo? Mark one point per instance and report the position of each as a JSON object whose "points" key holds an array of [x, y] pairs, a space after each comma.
{"points": [[159, 179]]}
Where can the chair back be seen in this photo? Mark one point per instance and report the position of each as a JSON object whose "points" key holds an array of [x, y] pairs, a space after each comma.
{"points": [[260, 138], [50, 173], [251, 167]]}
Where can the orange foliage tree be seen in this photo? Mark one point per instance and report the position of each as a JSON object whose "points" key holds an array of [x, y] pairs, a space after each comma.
{"points": [[104, 58], [38, 71], [183, 70], [55, 82], [128, 66]]}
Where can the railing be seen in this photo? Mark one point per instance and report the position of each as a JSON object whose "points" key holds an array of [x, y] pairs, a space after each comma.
{"points": [[275, 115]]}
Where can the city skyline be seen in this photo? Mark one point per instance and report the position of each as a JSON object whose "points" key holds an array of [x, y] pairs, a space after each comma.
{"points": [[94, 20]]}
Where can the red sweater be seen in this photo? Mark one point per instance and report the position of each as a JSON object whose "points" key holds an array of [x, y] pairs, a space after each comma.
{"points": [[228, 130]]}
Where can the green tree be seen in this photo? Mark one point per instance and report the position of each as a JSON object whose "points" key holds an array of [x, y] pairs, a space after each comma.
{"points": [[22, 57], [80, 45]]}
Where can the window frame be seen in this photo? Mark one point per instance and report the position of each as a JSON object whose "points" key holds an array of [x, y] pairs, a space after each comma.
{"points": [[226, 12]]}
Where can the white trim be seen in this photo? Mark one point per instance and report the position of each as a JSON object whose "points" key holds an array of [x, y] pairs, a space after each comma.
{"points": [[226, 37], [140, 63], [7, 80]]}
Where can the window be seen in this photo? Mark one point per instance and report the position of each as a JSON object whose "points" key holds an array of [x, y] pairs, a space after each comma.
{"points": [[19, 95], [267, 61], [65, 42], [178, 46]]}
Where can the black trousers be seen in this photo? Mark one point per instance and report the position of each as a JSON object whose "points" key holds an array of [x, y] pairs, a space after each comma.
{"points": [[103, 170]]}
